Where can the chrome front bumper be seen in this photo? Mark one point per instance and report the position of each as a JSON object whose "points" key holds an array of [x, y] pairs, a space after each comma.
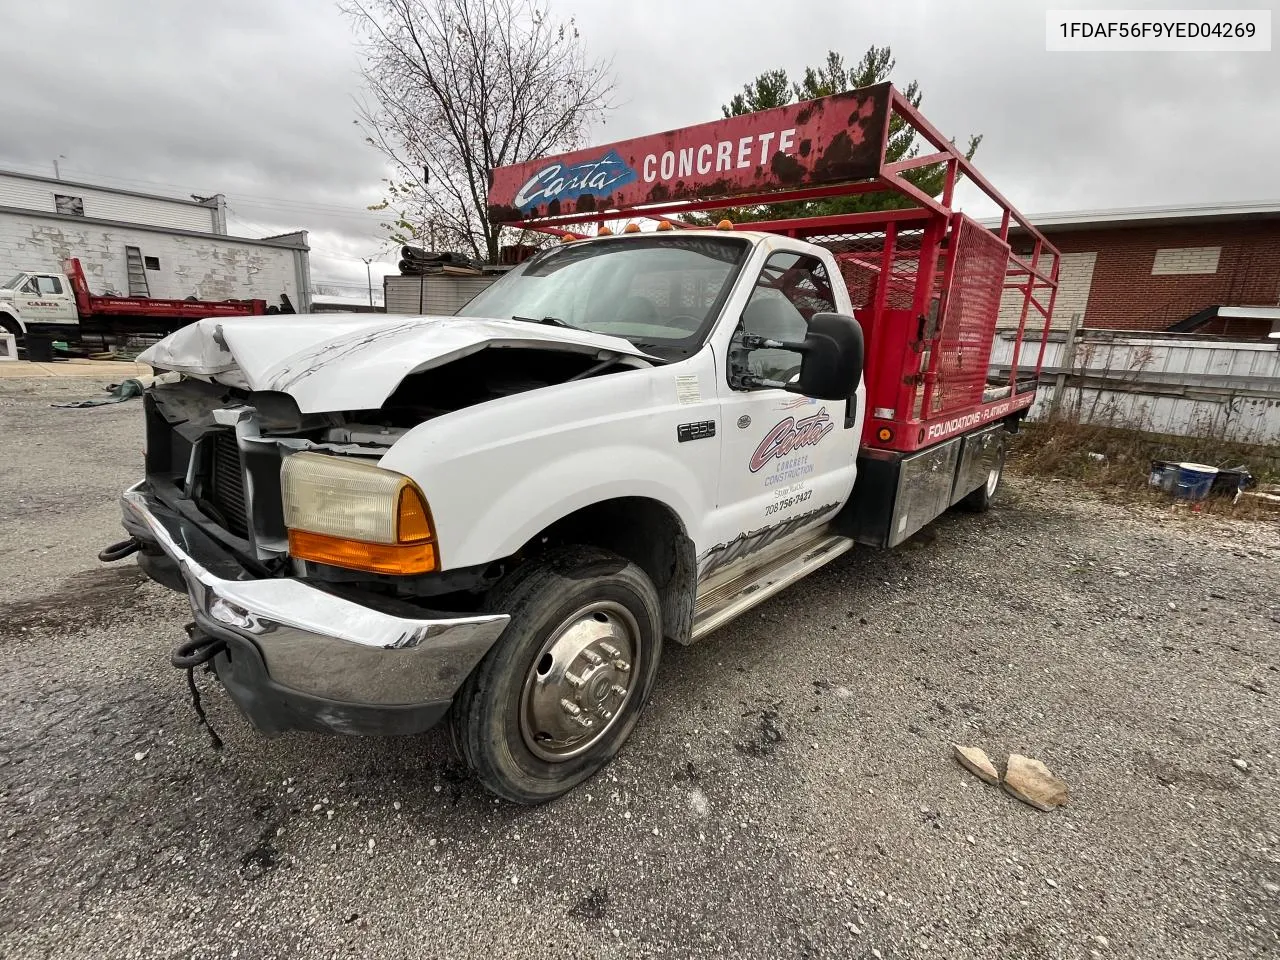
{"points": [[327, 650]]}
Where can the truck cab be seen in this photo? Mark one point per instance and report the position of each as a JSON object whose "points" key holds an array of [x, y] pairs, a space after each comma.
{"points": [[36, 298]]}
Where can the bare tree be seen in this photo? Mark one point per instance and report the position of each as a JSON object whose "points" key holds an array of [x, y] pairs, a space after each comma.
{"points": [[459, 87]]}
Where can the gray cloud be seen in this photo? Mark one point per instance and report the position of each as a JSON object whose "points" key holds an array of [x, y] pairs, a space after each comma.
{"points": [[254, 99]]}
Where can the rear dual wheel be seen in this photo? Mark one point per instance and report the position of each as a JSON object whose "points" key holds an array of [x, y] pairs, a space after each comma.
{"points": [[563, 687], [979, 501]]}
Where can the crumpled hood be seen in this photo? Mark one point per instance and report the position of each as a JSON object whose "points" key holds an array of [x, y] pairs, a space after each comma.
{"points": [[352, 362]]}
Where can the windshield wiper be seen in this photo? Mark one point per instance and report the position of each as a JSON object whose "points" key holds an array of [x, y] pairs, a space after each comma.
{"points": [[549, 321]]}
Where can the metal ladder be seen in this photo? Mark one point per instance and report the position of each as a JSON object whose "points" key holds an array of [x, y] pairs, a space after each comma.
{"points": [[137, 272]]}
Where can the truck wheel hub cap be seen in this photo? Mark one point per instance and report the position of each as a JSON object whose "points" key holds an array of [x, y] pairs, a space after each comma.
{"points": [[580, 681]]}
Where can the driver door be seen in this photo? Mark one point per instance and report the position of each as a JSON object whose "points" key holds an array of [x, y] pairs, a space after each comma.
{"points": [[787, 461]]}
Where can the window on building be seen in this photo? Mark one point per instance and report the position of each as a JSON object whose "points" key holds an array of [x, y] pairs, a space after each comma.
{"points": [[1170, 261], [151, 263], [71, 206], [50, 286]]}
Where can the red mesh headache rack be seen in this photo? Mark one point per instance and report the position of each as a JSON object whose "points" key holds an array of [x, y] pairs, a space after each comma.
{"points": [[928, 284]]}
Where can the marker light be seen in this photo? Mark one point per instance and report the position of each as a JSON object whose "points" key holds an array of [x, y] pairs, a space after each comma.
{"points": [[724, 225], [604, 232], [631, 228], [666, 225], [884, 434], [350, 513], [568, 238]]}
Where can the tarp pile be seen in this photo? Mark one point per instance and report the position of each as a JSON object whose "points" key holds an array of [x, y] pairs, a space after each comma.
{"points": [[125, 390], [417, 262]]}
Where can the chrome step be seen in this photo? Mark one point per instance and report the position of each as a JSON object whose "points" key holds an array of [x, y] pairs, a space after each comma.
{"points": [[717, 607]]}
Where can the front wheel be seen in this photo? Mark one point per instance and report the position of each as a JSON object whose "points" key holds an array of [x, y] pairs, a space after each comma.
{"points": [[564, 685], [8, 326]]}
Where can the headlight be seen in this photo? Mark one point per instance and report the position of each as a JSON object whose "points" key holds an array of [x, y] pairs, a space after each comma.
{"points": [[352, 514]]}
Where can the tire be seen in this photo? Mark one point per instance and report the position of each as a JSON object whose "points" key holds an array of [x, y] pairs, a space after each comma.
{"points": [[8, 326], [510, 720], [979, 501]]}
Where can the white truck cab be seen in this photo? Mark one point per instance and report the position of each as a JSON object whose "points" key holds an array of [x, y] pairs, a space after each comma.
{"points": [[34, 298]]}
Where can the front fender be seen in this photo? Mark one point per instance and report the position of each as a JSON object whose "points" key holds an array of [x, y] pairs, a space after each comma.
{"points": [[9, 318], [556, 489], [498, 473]]}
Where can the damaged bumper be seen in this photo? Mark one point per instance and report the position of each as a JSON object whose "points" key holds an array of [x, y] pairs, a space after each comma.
{"points": [[297, 657]]}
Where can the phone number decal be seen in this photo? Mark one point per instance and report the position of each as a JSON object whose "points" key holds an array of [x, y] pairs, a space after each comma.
{"points": [[786, 502]]}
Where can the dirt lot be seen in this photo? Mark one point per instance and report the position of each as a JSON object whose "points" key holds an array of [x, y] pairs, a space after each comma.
{"points": [[790, 792]]}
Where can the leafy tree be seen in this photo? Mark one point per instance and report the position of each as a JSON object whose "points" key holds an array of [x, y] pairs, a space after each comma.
{"points": [[773, 88]]}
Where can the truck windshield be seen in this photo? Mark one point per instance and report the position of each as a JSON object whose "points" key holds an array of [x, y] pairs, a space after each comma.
{"points": [[12, 282], [661, 292]]}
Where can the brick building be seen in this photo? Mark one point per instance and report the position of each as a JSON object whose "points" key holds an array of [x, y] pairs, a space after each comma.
{"points": [[1188, 269], [182, 245]]}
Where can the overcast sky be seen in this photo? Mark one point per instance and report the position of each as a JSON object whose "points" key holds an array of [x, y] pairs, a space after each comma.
{"points": [[253, 99]]}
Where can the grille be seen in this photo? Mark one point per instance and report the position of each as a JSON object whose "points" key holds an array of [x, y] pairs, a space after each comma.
{"points": [[226, 483]]}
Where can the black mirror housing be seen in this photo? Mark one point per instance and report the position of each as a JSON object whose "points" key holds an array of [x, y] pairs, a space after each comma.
{"points": [[833, 353]]}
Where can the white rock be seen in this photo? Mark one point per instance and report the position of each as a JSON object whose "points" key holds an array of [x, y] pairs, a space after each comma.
{"points": [[371, 844], [140, 755], [395, 805], [329, 814], [1271, 888], [1240, 764], [317, 808], [437, 788], [1101, 941], [976, 761], [971, 839], [1051, 882], [1033, 783]]}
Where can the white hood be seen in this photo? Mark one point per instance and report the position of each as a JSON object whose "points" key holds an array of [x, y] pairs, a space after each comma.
{"points": [[353, 362]]}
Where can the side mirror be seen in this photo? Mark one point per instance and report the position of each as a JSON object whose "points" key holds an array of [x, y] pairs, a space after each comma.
{"points": [[832, 357]]}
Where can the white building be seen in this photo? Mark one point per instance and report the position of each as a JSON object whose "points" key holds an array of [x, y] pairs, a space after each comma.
{"points": [[179, 248]]}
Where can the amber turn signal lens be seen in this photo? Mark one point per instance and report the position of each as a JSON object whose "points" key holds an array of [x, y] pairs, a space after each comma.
{"points": [[884, 434], [413, 519], [631, 228], [724, 225], [393, 558], [666, 225]]}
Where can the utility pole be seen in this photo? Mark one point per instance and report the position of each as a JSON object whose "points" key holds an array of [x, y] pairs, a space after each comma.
{"points": [[368, 271], [57, 174]]}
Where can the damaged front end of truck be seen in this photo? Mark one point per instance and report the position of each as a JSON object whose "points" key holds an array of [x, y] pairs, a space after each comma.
{"points": [[315, 579]]}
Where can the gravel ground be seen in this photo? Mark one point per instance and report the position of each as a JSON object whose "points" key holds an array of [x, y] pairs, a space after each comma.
{"points": [[789, 793]]}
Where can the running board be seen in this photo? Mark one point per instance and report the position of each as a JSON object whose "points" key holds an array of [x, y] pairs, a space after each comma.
{"points": [[717, 607]]}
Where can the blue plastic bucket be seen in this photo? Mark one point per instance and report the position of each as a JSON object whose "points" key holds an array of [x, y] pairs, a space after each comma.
{"points": [[1193, 481]]}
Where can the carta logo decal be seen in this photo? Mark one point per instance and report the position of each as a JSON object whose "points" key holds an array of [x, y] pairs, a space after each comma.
{"points": [[599, 177]]}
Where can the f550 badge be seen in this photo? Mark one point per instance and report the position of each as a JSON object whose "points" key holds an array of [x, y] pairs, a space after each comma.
{"points": [[791, 434], [598, 177]]}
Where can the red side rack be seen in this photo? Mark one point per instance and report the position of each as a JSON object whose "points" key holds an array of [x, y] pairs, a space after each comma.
{"points": [[928, 283]]}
